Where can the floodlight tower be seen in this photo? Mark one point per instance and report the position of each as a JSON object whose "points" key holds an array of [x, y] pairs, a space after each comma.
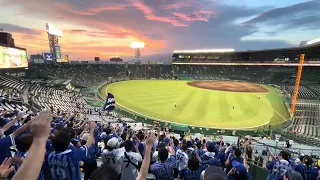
{"points": [[137, 46], [53, 37]]}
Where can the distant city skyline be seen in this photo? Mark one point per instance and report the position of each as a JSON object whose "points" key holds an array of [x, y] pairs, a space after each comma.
{"points": [[105, 28]]}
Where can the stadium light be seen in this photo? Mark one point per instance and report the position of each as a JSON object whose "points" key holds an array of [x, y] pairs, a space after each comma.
{"points": [[137, 45], [51, 29], [203, 51]]}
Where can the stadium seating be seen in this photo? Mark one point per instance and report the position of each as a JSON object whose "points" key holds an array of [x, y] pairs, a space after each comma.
{"points": [[306, 120], [47, 97], [304, 92]]}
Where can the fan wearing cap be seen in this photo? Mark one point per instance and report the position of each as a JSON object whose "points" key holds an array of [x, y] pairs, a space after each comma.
{"points": [[209, 157], [238, 171], [112, 154], [306, 169], [165, 168], [234, 156]]}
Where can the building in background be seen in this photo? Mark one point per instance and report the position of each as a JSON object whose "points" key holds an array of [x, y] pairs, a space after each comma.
{"points": [[10, 55], [116, 59], [96, 59], [6, 39]]}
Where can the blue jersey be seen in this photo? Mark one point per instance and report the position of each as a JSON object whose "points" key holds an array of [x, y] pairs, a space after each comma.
{"points": [[307, 173], [187, 174], [5, 144], [164, 170], [92, 154], [23, 155], [209, 158], [65, 165]]}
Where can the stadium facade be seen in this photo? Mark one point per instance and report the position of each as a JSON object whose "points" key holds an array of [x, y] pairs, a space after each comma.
{"points": [[283, 55]]}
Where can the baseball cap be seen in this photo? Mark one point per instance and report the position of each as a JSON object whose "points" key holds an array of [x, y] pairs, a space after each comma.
{"points": [[113, 142], [240, 168], [166, 140], [211, 146], [214, 173]]}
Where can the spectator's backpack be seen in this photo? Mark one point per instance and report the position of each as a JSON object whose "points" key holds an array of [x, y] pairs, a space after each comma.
{"points": [[279, 170]]}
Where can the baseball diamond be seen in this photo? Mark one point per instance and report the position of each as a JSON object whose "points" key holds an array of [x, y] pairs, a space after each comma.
{"points": [[225, 104]]}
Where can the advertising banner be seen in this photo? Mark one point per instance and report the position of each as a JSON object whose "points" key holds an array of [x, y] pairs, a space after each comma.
{"points": [[13, 58], [65, 58], [48, 56], [58, 53]]}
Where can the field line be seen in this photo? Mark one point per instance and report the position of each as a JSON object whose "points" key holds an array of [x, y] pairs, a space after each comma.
{"points": [[274, 110], [167, 121]]}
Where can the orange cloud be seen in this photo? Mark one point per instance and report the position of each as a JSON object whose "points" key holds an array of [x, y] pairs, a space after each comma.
{"points": [[89, 37], [81, 44]]}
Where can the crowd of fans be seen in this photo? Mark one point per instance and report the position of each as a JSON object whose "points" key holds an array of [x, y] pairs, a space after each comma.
{"points": [[66, 143], [59, 145]]}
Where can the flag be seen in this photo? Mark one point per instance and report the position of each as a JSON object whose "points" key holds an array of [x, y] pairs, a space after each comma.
{"points": [[110, 103]]}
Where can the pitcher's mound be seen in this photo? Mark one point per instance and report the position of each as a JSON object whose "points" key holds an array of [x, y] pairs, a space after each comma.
{"points": [[228, 86]]}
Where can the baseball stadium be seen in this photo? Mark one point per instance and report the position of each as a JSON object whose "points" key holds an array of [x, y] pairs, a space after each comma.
{"points": [[208, 92], [261, 99]]}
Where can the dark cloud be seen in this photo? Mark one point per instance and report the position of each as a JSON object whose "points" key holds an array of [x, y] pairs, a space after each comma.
{"points": [[175, 24], [302, 15], [18, 29]]}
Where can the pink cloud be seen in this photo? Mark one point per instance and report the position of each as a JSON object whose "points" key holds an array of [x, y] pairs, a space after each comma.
{"points": [[199, 15], [149, 14], [170, 5], [108, 8]]}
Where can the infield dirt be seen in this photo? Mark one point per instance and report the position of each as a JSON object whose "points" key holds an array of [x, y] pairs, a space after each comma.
{"points": [[228, 86]]}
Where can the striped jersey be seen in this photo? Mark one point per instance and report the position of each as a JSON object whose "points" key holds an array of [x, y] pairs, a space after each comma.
{"points": [[187, 174], [65, 165], [164, 170], [23, 155]]}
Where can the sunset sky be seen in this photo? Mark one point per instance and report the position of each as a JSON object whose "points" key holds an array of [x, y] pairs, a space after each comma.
{"points": [[105, 28]]}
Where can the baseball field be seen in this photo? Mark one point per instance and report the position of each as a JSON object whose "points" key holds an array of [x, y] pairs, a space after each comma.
{"points": [[216, 104]]}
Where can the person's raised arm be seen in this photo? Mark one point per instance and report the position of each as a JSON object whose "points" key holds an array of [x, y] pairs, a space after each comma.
{"points": [[146, 161], [9, 124], [197, 154], [270, 153], [31, 166], [20, 130], [91, 137], [86, 128]]}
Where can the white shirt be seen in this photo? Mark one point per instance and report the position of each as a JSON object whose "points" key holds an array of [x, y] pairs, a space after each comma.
{"points": [[129, 171], [181, 159], [113, 158]]}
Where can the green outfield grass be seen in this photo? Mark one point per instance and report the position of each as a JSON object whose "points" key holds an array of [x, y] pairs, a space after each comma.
{"points": [[199, 107]]}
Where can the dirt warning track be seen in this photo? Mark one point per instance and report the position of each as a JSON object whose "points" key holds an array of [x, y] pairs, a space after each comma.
{"points": [[228, 86]]}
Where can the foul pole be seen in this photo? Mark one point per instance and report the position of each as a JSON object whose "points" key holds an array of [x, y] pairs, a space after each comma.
{"points": [[297, 85]]}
